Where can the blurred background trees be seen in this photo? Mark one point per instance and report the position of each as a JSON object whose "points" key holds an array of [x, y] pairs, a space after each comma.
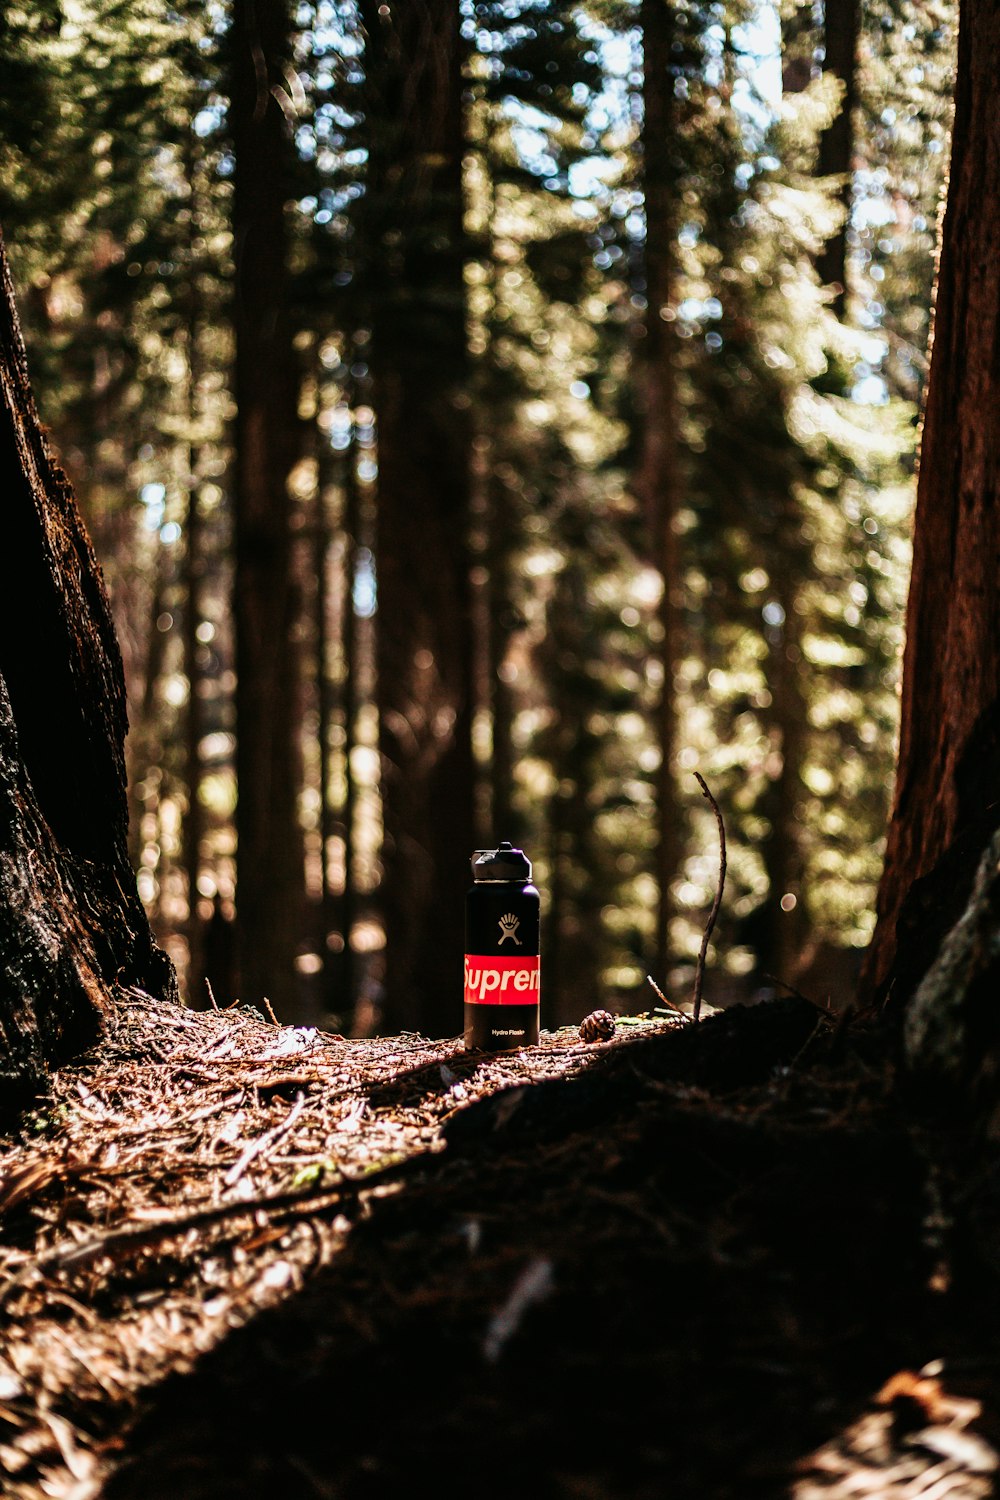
{"points": [[486, 415]]}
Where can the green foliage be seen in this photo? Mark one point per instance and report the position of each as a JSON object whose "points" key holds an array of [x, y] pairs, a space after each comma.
{"points": [[795, 431], [905, 81]]}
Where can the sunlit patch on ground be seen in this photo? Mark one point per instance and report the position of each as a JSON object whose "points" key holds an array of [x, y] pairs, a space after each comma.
{"points": [[915, 1442], [195, 1170]]}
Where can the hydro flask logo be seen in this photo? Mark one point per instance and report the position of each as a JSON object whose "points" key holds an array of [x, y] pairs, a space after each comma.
{"points": [[508, 929]]}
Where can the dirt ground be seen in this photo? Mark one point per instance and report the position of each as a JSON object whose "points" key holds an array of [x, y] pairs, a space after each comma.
{"points": [[736, 1259]]}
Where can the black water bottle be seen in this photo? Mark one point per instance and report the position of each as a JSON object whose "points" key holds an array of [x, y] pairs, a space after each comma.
{"points": [[501, 952]]}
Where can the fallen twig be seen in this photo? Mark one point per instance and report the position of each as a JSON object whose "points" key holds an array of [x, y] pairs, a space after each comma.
{"points": [[699, 973], [119, 1183], [672, 1003], [262, 1142], [134, 1236]]}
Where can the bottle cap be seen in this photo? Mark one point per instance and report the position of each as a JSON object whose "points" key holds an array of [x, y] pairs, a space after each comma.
{"points": [[504, 863]]}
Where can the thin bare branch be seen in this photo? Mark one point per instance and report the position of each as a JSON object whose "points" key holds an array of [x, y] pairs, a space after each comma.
{"points": [[666, 1000]]}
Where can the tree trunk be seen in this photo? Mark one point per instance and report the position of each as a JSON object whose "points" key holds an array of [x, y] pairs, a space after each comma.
{"points": [[782, 920], [349, 705], [798, 45], [656, 481], [836, 146], [270, 876], [951, 1034], [416, 248], [576, 951], [506, 823], [71, 923], [193, 571], [948, 756]]}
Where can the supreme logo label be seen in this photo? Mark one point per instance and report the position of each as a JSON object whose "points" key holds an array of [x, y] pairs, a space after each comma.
{"points": [[500, 981]]}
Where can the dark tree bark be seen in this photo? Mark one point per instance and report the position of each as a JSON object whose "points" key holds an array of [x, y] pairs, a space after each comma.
{"points": [[71, 923], [951, 1033], [270, 873], [656, 481], [578, 891], [949, 764], [144, 748], [500, 626], [798, 45], [193, 584], [193, 572], [836, 146], [321, 602], [416, 248], [348, 713], [782, 923]]}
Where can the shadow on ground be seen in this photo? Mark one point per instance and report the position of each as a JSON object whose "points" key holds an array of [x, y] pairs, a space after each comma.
{"points": [[676, 1277]]}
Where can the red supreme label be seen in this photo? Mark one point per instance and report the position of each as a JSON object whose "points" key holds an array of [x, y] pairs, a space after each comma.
{"points": [[500, 981]]}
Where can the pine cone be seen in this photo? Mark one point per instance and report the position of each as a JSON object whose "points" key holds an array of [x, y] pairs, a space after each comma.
{"points": [[598, 1026]]}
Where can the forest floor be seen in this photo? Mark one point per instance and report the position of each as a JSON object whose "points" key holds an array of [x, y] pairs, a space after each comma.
{"points": [[731, 1260]]}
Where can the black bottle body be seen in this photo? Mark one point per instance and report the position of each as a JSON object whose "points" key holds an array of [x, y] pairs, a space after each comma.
{"points": [[501, 964]]}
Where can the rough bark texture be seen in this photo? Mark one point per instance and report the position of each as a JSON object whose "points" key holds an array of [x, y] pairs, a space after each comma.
{"points": [[836, 147], [656, 481], [952, 1032], [418, 362], [270, 878], [71, 923], [951, 666]]}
